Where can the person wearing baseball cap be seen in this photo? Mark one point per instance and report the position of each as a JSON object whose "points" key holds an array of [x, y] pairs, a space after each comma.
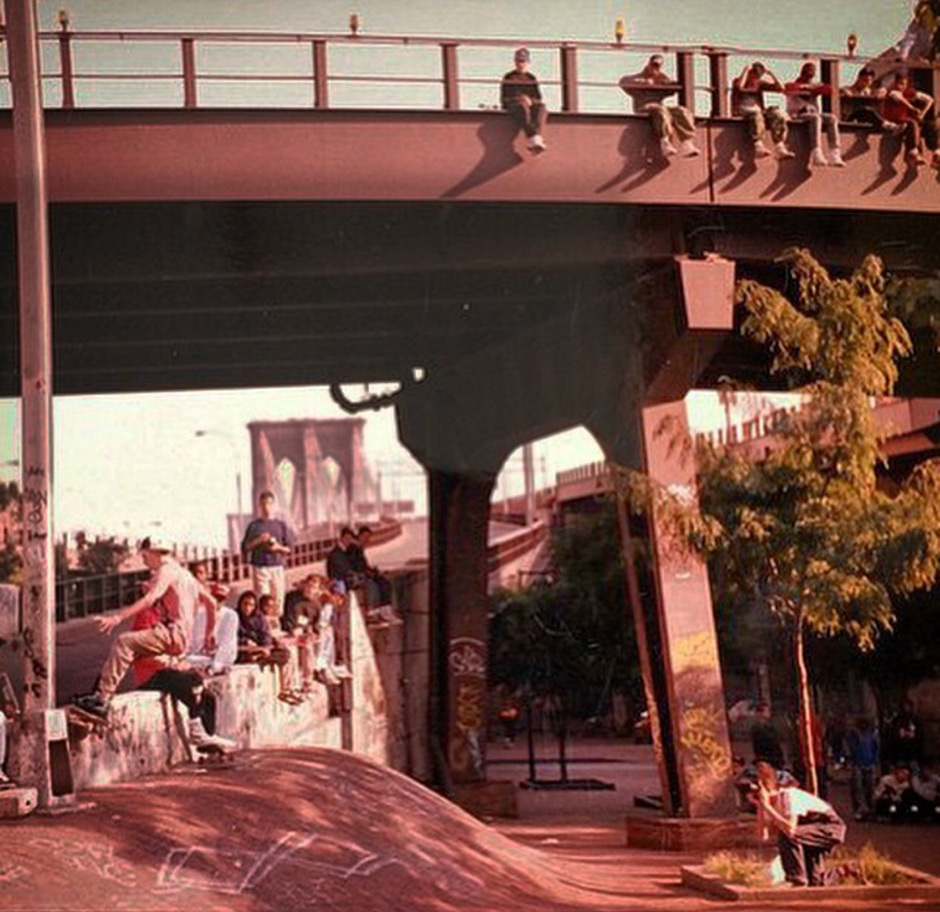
{"points": [[521, 97], [178, 596]]}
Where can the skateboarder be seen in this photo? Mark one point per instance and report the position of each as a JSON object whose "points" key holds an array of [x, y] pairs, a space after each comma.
{"points": [[177, 594]]}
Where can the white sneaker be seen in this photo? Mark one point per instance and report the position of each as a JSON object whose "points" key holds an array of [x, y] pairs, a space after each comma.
{"points": [[200, 738], [688, 149], [836, 159], [817, 159], [387, 614], [536, 143], [666, 147], [783, 152], [760, 150], [341, 672]]}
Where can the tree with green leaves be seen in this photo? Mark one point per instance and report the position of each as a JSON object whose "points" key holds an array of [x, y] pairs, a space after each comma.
{"points": [[805, 531]]}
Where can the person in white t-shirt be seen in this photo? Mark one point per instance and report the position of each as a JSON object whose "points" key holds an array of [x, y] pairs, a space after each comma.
{"points": [[179, 595], [807, 827]]}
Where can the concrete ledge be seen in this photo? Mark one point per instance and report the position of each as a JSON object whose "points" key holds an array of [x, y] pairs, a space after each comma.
{"points": [[682, 834], [695, 876], [146, 733]]}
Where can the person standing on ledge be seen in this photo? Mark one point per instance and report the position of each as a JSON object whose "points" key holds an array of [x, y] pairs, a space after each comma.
{"points": [[267, 543], [521, 97]]}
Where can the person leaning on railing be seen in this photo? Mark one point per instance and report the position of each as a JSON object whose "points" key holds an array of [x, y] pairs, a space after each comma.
{"points": [[648, 90]]}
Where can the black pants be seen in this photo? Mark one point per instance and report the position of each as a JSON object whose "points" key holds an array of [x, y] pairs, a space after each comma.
{"points": [[186, 687], [867, 116], [528, 119], [802, 853]]}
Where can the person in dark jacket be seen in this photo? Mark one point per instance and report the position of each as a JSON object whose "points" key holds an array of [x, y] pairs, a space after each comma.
{"points": [[521, 97]]}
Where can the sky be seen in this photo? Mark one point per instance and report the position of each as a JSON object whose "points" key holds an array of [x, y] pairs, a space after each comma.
{"points": [[128, 465]]}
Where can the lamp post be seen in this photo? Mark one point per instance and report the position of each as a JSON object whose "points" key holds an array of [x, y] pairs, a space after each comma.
{"points": [[214, 432]]}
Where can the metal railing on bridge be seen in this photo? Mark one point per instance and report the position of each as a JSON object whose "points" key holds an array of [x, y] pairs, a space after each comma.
{"points": [[80, 596], [211, 69]]}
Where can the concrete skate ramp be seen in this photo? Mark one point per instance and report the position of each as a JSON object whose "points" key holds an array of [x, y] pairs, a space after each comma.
{"points": [[284, 830]]}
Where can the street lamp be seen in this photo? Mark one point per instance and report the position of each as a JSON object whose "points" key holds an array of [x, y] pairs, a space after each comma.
{"points": [[214, 432]]}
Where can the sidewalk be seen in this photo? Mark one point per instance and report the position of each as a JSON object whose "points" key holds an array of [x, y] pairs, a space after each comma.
{"points": [[311, 829]]}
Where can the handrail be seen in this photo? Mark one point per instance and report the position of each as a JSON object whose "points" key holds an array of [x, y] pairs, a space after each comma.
{"points": [[445, 74]]}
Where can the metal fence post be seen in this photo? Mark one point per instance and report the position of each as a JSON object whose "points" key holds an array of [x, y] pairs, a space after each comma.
{"points": [[829, 74], [321, 93], [449, 76], [718, 77], [65, 63], [569, 79], [685, 73], [188, 48]]}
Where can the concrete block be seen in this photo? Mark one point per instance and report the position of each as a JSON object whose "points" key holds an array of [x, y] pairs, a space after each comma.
{"points": [[17, 802]]}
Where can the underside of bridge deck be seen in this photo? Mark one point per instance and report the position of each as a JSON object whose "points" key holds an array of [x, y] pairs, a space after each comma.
{"points": [[169, 296]]}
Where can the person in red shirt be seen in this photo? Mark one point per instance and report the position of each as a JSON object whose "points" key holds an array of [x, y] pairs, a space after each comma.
{"points": [[914, 110]]}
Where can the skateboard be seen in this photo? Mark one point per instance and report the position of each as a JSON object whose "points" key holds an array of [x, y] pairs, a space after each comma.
{"points": [[82, 723], [211, 755]]}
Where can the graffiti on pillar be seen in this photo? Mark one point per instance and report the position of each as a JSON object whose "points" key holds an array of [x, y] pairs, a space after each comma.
{"points": [[703, 734], [466, 662], [35, 566]]}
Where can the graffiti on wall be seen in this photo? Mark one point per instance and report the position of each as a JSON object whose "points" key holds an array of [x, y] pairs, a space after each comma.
{"points": [[466, 664]]}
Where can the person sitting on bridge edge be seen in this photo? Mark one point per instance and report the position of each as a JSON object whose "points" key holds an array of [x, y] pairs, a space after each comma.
{"points": [[914, 110], [177, 593], [183, 684], [747, 102], [807, 827], [647, 90], [521, 97], [267, 542], [863, 102], [802, 105]]}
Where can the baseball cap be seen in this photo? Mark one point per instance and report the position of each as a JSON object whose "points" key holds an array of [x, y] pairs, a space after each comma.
{"points": [[156, 545], [523, 54]]}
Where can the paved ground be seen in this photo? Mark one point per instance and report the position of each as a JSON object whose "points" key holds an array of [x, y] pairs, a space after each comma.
{"points": [[316, 829]]}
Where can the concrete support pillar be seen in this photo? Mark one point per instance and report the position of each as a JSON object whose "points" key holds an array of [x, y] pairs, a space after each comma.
{"points": [[689, 645], [459, 516]]}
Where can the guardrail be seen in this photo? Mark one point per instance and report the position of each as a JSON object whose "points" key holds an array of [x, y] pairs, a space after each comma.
{"points": [[80, 596], [199, 69]]}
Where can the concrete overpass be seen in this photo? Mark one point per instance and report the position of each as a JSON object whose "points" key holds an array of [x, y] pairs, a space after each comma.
{"points": [[508, 297]]}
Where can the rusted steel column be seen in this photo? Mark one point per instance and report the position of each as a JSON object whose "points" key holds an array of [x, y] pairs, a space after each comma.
{"points": [[321, 92], [829, 74], [685, 73], [718, 76], [32, 245], [569, 79], [188, 50], [65, 61], [459, 516], [449, 76], [689, 643]]}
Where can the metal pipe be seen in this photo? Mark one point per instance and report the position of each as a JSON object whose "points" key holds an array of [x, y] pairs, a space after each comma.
{"points": [[32, 243]]}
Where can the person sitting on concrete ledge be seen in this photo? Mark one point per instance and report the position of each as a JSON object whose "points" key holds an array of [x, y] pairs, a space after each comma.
{"points": [[803, 95], [377, 587], [807, 827], [747, 102], [914, 111], [184, 684], [521, 97], [256, 644], [226, 626], [648, 90]]}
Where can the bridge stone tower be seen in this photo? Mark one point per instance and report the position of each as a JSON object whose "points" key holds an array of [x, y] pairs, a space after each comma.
{"points": [[314, 466]]}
